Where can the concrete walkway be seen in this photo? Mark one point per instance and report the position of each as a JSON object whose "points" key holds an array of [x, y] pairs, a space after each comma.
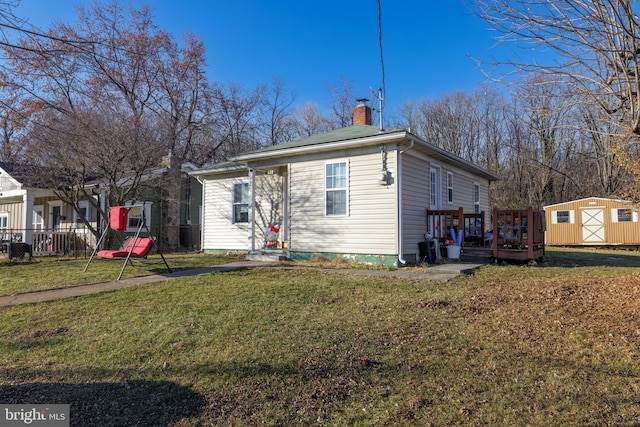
{"points": [[440, 273]]}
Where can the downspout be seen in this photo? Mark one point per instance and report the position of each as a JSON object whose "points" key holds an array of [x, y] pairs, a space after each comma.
{"points": [[201, 181], [401, 260]]}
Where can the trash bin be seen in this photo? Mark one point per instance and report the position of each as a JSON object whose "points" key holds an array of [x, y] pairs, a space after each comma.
{"points": [[186, 236], [19, 250], [427, 251]]}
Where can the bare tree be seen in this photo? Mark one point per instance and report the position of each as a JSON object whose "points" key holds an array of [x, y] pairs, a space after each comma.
{"points": [[342, 103], [236, 117], [104, 98], [15, 123], [309, 120], [594, 47], [277, 114]]}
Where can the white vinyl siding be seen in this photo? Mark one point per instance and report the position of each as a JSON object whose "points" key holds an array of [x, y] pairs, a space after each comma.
{"points": [[370, 226], [219, 231], [416, 199], [14, 213]]}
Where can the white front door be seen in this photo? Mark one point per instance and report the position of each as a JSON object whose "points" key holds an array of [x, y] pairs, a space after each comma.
{"points": [[593, 225]]}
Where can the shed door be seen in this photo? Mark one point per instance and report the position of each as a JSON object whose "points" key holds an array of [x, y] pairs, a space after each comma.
{"points": [[593, 225]]}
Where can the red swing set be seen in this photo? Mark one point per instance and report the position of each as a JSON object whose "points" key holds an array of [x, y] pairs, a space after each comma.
{"points": [[136, 246]]}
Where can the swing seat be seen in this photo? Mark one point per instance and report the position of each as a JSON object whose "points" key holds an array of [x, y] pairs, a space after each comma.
{"points": [[136, 247], [139, 248]]}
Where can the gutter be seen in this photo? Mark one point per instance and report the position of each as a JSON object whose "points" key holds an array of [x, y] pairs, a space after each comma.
{"points": [[401, 260]]}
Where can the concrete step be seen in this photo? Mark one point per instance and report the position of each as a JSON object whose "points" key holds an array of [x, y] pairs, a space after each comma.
{"points": [[268, 255]]}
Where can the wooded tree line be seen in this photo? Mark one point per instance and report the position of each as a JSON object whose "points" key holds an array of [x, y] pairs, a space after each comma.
{"points": [[110, 95], [547, 149]]}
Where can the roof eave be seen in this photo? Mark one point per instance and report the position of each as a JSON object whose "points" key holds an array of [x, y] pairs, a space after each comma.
{"points": [[321, 148], [457, 160]]}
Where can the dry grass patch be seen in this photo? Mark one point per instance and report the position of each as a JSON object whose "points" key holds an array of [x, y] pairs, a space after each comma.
{"points": [[510, 345]]}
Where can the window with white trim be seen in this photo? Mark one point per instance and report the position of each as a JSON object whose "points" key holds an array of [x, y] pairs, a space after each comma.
{"points": [[562, 217], [136, 213], [449, 187], [240, 203], [84, 213], [624, 215], [434, 200], [336, 188], [4, 226], [38, 218], [476, 197]]}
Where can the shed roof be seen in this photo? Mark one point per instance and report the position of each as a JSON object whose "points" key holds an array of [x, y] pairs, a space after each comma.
{"points": [[604, 199]]}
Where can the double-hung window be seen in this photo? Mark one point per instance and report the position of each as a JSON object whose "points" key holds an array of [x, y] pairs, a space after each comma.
{"points": [[240, 202], [336, 188], [38, 218], [476, 197], [449, 187]]}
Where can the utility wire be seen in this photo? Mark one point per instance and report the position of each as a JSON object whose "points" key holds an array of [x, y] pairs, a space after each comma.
{"points": [[384, 90]]}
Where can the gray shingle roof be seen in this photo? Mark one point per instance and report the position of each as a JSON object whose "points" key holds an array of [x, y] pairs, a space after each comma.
{"points": [[344, 134]]}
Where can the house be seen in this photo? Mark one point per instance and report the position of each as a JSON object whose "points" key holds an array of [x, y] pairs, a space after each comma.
{"points": [[360, 193], [592, 221], [32, 213]]}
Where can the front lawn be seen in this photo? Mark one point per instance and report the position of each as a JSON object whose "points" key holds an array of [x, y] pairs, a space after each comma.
{"points": [[42, 273], [556, 344]]}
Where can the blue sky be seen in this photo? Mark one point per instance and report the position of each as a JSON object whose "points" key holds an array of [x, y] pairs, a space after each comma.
{"points": [[428, 45]]}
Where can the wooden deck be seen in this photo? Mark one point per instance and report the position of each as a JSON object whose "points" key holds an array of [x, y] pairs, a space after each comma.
{"points": [[515, 234]]}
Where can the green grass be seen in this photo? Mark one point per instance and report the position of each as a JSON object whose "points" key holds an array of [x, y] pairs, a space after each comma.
{"points": [[42, 273], [556, 344]]}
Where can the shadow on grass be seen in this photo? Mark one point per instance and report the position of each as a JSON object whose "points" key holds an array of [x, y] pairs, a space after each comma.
{"points": [[148, 403], [569, 257]]}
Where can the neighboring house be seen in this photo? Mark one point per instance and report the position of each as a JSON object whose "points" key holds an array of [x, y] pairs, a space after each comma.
{"points": [[592, 221], [360, 193], [32, 213]]}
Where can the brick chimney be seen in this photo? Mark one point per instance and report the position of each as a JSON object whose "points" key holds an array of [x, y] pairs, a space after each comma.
{"points": [[362, 113]]}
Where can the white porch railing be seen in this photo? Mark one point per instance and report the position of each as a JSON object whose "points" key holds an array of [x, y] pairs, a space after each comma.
{"points": [[69, 242]]}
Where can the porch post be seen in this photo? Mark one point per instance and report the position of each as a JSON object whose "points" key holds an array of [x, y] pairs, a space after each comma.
{"points": [[251, 212], [27, 218]]}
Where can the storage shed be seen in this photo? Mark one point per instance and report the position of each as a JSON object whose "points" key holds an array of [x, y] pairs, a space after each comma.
{"points": [[593, 221]]}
